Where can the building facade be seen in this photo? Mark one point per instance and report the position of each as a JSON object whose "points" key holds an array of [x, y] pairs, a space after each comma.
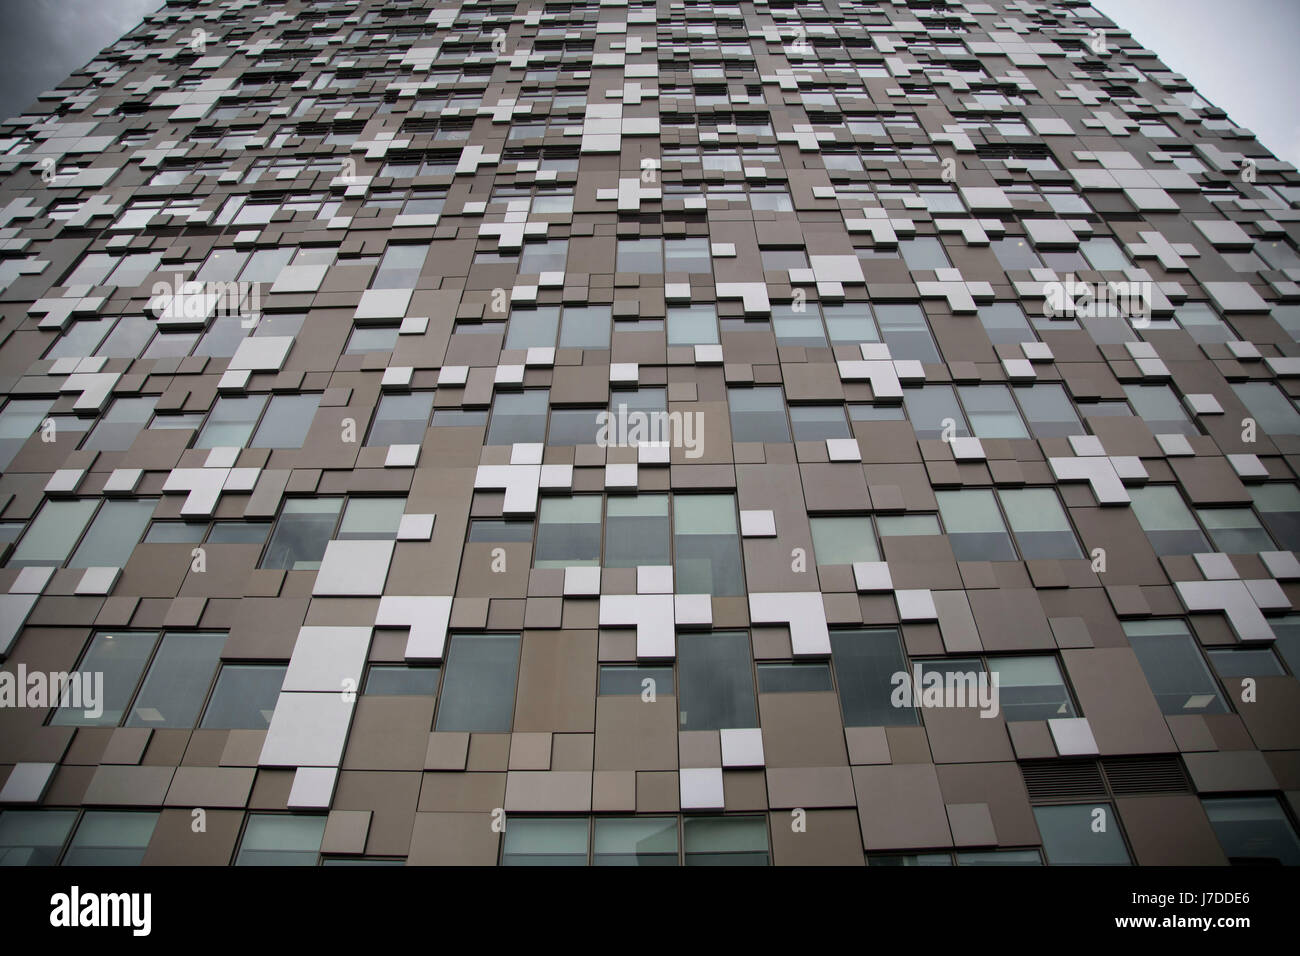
{"points": [[658, 433]]}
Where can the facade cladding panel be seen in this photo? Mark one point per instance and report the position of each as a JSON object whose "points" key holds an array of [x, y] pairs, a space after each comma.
{"points": [[658, 434]]}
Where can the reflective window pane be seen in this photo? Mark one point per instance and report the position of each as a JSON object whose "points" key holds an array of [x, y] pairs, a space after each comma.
{"points": [[865, 664], [178, 680], [1071, 838], [245, 697], [478, 691], [716, 681], [300, 536], [1172, 662]]}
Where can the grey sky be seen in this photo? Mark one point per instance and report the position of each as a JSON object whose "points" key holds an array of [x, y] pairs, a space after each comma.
{"points": [[1240, 55], [42, 41]]}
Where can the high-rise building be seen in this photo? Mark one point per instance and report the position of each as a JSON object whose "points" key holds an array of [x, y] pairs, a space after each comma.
{"points": [[614, 432]]}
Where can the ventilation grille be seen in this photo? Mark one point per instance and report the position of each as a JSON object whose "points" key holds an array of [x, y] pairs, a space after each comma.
{"points": [[1133, 776], [1057, 780]]}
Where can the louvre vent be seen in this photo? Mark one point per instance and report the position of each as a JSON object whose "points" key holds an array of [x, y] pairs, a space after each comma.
{"points": [[1133, 776], [1057, 780]]}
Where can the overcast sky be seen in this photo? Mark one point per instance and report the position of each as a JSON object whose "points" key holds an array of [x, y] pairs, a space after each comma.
{"points": [[1240, 55]]}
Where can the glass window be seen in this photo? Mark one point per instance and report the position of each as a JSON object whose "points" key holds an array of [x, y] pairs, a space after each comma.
{"points": [[231, 422], [930, 409], [539, 257], [1160, 408], [223, 336], [635, 841], [1278, 504], [114, 533], [120, 657], [850, 323], [392, 679], [585, 328], [495, 530], [111, 838], [371, 338], [1172, 663], [287, 421], [706, 545], [93, 268], [909, 859], [693, 325], [171, 345], [1104, 254], [400, 267], [1014, 254], [573, 426], [715, 681], [1006, 324], [400, 419], [905, 331], [518, 417], [238, 532], [1274, 413], [974, 526], [616, 679], [478, 692], [265, 265], [725, 841], [545, 841], [1168, 523], [1246, 662], [245, 697], [992, 411], [1203, 324], [1253, 830], [923, 254], [53, 532], [118, 427], [799, 326], [532, 328], [371, 519], [778, 677], [999, 858], [640, 256], [1039, 523], [1048, 410], [865, 664], [1073, 835], [1235, 530], [843, 540], [274, 839], [637, 531], [687, 255], [300, 536], [1031, 688], [902, 526], [33, 837], [757, 414], [133, 269], [568, 532], [178, 680], [819, 422], [18, 422]]}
